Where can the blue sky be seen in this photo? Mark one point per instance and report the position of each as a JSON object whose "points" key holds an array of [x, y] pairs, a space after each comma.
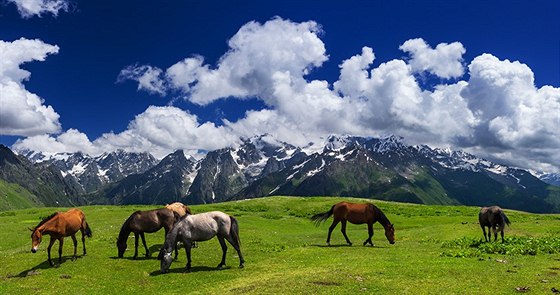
{"points": [[482, 76]]}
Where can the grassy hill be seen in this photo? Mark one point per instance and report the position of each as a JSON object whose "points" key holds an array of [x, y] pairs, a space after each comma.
{"points": [[437, 252], [13, 196]]}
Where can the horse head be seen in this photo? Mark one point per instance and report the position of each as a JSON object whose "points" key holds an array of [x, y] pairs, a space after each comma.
{"points": [[166, 260], [121, 246], [36, 237], [390, 233]]}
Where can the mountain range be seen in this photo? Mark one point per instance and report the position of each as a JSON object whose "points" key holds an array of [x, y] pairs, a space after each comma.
{"points": [[387, 169]]}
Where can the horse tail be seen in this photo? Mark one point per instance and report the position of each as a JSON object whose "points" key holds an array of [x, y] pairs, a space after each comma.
{"points": [[88, 232], [321, 217], [234, 230], [505, 218], [85, 225]]}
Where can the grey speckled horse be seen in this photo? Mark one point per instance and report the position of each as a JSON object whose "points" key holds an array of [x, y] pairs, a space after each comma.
{"points": [[201, 227], [495, 219]]}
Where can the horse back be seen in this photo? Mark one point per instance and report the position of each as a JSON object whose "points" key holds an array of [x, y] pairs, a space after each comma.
{"points": [[151, 220], [69, 222], [490, 216], [204, 226], [180, 208], [355, 213]]}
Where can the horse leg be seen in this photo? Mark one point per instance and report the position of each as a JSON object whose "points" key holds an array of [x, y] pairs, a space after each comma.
{"points": [[144, 242], [489, 234], [188, 247], [331, 228], [495, 230], [60, 244], [224, 251], [235, 243], [502, 234], [49, 250], [343, 230], [84, 242], [75, 247], [370, 234], [135, 246]]}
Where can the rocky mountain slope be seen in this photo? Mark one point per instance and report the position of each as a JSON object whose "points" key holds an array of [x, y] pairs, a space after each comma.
{"points": [[386, 168]]}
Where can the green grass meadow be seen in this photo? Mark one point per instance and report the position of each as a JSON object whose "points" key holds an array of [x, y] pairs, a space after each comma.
{"points": [[437, 251]]}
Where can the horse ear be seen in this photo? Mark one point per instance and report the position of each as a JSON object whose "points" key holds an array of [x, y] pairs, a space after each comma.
{"points": [[31, 229]]}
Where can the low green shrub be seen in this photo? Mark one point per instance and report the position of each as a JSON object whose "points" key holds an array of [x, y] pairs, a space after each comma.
{"points": [[471, 247]]}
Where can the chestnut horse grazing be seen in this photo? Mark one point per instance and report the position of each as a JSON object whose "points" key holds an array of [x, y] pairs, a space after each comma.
{"points": [[179, 208], [357, 214], [140, 222], [494, 218], [58, 226]]}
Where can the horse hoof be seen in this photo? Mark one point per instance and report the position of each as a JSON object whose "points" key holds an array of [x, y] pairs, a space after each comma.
{"points": [[241, 266]]}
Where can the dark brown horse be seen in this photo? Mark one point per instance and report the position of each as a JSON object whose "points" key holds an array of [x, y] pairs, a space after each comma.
{"points": [[58, 226], [357, 214], [494, 218], [141, 222]]}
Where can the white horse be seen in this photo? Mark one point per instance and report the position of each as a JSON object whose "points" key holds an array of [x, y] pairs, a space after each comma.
{"points": [[201, 227]]}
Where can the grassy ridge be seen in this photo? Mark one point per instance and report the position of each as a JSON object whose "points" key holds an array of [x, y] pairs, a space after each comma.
{"points": [[13, 196], [286, 253]]}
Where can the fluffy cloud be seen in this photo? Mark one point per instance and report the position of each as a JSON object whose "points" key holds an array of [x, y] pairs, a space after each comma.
{"points": [[256, 53], [159, 130], [517, 121], [22, 112], [70, 141], [30, 8], [497, 112], [148, 78], [445, 61]]}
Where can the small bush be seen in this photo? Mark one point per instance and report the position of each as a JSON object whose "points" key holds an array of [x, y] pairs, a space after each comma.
{"points": [[470, 247]]}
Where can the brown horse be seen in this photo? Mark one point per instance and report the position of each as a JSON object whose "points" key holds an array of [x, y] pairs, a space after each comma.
{"points": [[141, 222], [58, 226], [494, 218], [179, 208], [357, 214]]}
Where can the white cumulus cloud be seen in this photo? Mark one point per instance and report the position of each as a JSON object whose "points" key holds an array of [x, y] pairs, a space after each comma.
{"points": [[148, 78], [22, 112], [30, 8], [445, 61], [492, 107]]}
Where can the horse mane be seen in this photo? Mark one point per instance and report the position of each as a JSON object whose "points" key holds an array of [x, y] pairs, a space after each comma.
{"points": [[381, 216], [123, 232], [46, 219], [183, 217]]}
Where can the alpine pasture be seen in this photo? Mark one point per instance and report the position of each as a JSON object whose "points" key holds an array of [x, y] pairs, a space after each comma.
{"points": [[438, 250]]}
